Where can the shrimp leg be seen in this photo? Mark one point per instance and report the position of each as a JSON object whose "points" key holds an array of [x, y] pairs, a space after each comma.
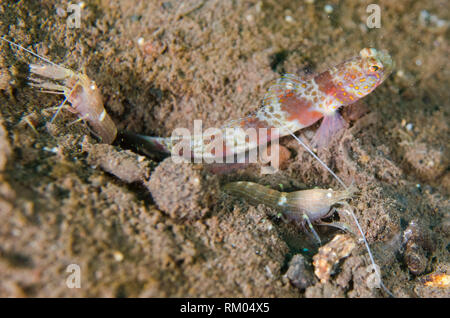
{"points": [[311, 227]]}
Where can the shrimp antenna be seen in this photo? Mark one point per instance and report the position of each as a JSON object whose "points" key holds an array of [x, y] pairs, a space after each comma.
{"points": [[44, 59], [377, 272], [318, 159], [29, 51], [314, 155]]}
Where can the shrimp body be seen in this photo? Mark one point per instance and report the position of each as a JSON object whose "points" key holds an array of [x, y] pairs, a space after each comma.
{"points": [[305, 206], [81, 92], [293, 103], [314, 203]]}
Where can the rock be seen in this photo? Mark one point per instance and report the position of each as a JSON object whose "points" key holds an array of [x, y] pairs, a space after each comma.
{"points": [[182, 191], [419, 243], [415, 258], [300, 272], [427, 161], [124, 164], [330, 254], [5, 147]]}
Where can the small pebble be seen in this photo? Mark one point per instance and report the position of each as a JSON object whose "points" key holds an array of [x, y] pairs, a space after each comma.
{"points": [[415, 258], [330, 255], [424, 17], [52, 150], [135, 18], [60, 12], [437, 280], [289, 19], [363, 28], [300, 273], [268, 271], [118, 256], [167, 5], [328, 8], [259, 6]]}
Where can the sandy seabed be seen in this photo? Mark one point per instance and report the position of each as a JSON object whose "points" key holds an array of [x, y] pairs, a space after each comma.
{"points": [[67, 199]]}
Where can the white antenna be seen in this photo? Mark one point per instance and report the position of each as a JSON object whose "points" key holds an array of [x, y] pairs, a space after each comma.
{"points": [[29, 51], [46, 60], [377, 272], [318, 159], [313, 154]]}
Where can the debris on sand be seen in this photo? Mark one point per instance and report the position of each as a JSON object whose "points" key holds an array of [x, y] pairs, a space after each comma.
{"points": [[125, 165], [330, 254], [300, 272]]}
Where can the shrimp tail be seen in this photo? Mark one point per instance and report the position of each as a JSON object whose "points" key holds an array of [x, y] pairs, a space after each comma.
{"points": [[255, 193]]}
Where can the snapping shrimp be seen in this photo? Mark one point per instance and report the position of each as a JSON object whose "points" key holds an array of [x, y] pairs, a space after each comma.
{"points": [[78, 89], [304, 207]]}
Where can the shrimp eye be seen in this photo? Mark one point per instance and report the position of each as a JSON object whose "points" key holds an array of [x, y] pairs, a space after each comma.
{"points": [[374, 68]]}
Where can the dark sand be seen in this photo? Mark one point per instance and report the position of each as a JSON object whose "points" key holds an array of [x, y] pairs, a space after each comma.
{"points": [[65, 199]]}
